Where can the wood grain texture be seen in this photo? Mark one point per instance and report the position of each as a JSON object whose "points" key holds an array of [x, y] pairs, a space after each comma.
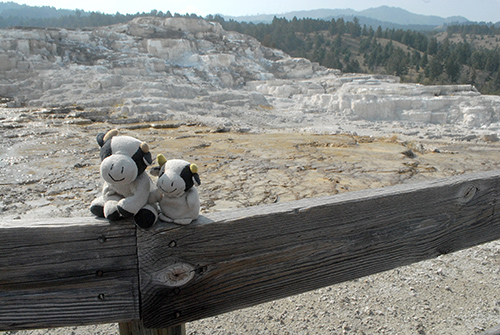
{"points": [[71, 271], [253, 255]]}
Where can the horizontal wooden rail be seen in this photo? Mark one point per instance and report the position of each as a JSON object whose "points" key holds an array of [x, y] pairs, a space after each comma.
{"points": [[67, 271], [81, 271]]}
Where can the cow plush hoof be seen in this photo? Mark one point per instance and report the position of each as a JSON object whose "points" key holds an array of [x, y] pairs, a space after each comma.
{"points": [[145, 218], [124, 213], [97, 210], [115, 216]]}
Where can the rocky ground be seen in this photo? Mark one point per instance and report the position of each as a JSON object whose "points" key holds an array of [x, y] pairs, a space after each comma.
{"points": [[49, 167]]}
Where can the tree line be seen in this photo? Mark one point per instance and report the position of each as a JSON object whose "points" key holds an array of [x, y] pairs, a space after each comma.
{"points": [[79, 19]]}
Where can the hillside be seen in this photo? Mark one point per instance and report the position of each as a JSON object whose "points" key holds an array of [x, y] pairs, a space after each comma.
{"points": [[464, 54], [467, 54], [15, 15], [404, 17], [385, 16], [476, 41]]}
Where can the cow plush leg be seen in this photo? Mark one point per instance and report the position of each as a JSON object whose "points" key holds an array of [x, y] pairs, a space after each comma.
{"points": [[165, 218], [97, 207], [183, 222], [146, 217], [111, 210]]}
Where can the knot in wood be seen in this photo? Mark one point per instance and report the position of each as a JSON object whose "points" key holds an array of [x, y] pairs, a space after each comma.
{"points": [[467, 193], [177, 274]]}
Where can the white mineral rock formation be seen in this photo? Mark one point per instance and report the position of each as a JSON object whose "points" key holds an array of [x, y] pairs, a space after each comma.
{"points": [[184, 68]]}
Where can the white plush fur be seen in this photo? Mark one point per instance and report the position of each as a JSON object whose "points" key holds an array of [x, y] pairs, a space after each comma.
{"points": [[131, 197], [181, 210], [125, 145]]}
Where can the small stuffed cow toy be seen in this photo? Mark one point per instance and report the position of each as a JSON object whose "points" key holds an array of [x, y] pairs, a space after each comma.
{"points": [[176, 191], [126, 187]]}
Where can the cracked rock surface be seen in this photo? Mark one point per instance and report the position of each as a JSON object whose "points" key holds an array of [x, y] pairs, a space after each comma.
{"points": [[153, 69]]}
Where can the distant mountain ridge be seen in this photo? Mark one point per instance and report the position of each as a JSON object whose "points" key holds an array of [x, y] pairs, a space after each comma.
{"points": [[385, 16], [14, 14], [402, 16]]}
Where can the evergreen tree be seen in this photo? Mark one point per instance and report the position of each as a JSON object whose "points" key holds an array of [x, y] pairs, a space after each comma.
{"points": [[424, 61], [432, 46], [397, 63], [434, 68], [332, 60], [452, 68], [340, 26], [355, 28]]}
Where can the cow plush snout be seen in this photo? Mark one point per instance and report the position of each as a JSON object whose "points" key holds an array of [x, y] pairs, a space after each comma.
{"points": [[119, 169], [171, 184]]}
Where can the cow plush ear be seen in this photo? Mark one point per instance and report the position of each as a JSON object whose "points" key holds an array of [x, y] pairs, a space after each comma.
{"points": [[148, 158], [196, 177]]}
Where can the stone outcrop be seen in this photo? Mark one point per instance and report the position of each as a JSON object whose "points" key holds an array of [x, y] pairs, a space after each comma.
{"points": [[148, 58], [184, 68]]}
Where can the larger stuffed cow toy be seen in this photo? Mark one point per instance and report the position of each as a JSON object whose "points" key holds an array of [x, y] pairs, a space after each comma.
{"points": [[126, 186]]}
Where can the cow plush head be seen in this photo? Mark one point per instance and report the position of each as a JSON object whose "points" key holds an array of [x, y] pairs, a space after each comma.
{"points": [[175, 176], [123, 158]]}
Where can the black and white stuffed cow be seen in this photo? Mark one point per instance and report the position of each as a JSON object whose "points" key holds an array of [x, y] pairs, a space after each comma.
{"points": [[126, 186], [175, 190]]}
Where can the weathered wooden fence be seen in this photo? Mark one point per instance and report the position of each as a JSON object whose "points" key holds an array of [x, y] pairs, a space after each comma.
{"points": [[78, 271]]}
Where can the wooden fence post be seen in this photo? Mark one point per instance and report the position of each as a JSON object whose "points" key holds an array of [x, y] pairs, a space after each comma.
{"points": [[137, 328]]}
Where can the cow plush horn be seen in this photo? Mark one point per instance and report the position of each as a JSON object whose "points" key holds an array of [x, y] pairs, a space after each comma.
{"points": [[109, 134], [161, 159], [144, 147]]}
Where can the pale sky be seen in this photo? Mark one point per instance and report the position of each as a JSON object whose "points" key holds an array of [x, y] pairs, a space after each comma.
{"points": [[474, 10]]}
